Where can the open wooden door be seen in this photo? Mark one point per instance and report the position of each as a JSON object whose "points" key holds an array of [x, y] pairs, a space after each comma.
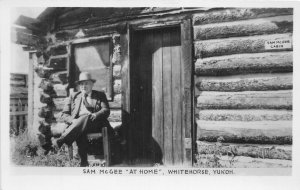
{"points": [[158, 99]]}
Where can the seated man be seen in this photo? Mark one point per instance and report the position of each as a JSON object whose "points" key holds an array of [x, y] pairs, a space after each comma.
{"points": [[85, 112]]}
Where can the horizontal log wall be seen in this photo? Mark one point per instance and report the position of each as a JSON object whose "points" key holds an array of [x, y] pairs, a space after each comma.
{"points": [[280, 24], [260, 132], [247, 99], [245, 63], [243, 90], [245, 115], [237, 45], [250, 150], [253, 82], [209, 160], [228, 15]]}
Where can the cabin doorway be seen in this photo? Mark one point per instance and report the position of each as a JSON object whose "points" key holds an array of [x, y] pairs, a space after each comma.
{"points": [[156, 132]]}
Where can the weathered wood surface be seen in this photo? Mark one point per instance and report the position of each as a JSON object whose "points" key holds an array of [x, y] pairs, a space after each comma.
{"points": [[28, 48], [177, 99], [117, 71], [207, 161], [46, 98], [116, 103], [70, 32], [59, 103], [236, 14], [245, 115], [17, 83], [22, 101], [115, 116], [60, 90], [43, 72], [18, 91], [255, 82], [167, 99], [26, 39], [245, 63], [117, 86], [125, 97], [281, 99], [19, 80], [186, 81], [59, 77], [45, 112], [249, 150], [44, 128], [58, 50], [263, 26], [46, 85], [18, 118], [58, 116], [237, 45], [22, 30], [31, 75], [262, 132], [32, 24], [157, 97]]}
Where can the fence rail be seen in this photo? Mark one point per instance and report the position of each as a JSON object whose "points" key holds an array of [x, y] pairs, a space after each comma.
{"points": [[18, 115]]}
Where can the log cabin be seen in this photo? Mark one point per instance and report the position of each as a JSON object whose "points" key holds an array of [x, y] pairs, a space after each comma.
{"points": [[182, 82]]}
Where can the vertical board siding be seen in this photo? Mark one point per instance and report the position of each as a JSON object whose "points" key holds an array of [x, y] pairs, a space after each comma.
{"points": [[157, 95], [163, 48], [167, 100], [177, 97]]}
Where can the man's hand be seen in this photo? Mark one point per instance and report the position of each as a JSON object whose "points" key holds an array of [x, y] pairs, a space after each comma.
{"points": [[92, 116], [69, 120]]}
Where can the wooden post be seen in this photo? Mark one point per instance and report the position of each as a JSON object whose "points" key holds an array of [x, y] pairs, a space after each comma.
{"points": [[30, 93], [187, 103], [26, 117], [21, 118], [14, 120], [106, 146]]}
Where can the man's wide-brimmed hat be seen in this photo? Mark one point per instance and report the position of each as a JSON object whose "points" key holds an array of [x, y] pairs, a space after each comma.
{"points": [[85, 76]]}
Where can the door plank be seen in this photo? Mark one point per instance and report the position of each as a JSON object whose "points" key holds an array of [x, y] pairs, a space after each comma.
{"points": [[137, 128], [167, 99], [146, 91], [176, 96], [157, 99]]}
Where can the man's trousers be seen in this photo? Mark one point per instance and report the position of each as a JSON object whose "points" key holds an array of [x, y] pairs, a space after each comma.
{"points": [[78, 130]]}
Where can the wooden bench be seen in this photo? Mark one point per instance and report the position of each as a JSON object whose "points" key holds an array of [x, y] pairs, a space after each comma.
{"points": [[106, 145]]}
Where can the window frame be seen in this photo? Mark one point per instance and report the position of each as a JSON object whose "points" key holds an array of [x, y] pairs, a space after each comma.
{"points": [[72, 69]]}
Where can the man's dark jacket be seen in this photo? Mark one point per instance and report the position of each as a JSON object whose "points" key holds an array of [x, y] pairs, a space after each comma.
{"points": [[98, 102]]}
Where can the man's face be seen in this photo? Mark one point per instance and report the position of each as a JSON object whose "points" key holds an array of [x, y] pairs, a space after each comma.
{"points": [[86, 86]]}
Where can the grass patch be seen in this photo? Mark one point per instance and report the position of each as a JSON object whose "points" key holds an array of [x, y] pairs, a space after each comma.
{"points": [[25, 152]]}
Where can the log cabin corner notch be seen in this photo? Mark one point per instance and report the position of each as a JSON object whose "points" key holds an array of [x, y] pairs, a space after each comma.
{"points": [[235, 88]]}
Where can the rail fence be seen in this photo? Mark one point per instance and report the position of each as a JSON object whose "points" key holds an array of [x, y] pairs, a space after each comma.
{"points": [[18, 115]]}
